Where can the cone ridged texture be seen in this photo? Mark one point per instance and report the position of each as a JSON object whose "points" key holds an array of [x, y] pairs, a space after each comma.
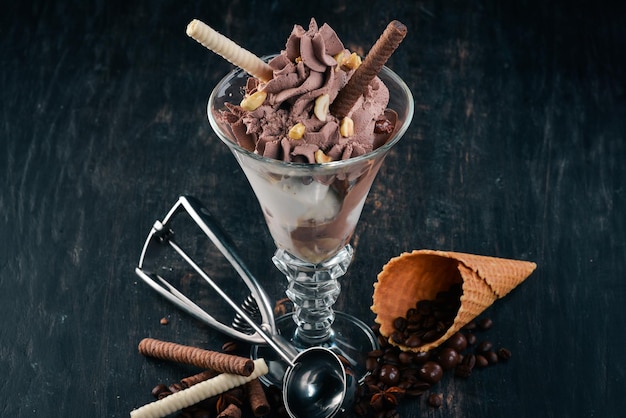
{"points": [[421, 274]]}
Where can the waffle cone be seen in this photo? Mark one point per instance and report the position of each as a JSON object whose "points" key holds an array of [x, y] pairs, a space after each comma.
{"points": [[421, 274]]}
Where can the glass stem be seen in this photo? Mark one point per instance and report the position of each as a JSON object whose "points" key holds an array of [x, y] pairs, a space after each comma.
{"points": [[313, 289]]}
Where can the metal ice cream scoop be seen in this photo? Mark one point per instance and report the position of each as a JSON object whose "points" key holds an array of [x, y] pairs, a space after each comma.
{"points": [[315, 383]]}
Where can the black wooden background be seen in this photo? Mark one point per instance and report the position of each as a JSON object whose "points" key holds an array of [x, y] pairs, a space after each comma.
{"points": [[517, 150]]}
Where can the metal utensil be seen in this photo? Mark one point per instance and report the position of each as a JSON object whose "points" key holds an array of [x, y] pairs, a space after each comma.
{"points": [[315, 383]]}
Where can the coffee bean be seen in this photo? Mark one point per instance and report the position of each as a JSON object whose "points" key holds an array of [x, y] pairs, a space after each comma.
{"points": [[405, 357], [485, 324], [431, 336], [491, 357], [397, 337], [448, 358], [417, 389], [400, 323], [175, 387], [391, 357], [435, 400], [413, 341], [229, 347], [470, 360], [371, 363], [158, 389], [504, 354], [389, 374], [421, 357], [383, 342], [375, 353], [481, 361], [457, 342], [471, 339], [484, 346], [164, 394], [430, 372], [470, 326]]}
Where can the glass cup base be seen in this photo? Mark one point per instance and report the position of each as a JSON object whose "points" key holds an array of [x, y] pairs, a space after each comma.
{"points": [[351, 340]]}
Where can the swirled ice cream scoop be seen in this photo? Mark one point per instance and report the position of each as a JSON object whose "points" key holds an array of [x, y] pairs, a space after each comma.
{"points": [[288, 117], [313, 104]]}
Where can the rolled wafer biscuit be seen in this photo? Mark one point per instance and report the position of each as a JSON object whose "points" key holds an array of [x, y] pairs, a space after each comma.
{"points": [[198, 392], [229, 50], [197, 378], [257, 399], [422, 274], [224, 363], [376, 58], [231, 411]]}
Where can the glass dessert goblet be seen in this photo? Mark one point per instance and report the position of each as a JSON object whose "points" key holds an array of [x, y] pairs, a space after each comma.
{"points": [[311, 211]]}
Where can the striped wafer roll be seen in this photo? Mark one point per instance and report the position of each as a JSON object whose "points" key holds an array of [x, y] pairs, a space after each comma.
{"points": [[220, 362], [197, 378], [229, 50], [256, 396], [198, 392], [372, 64]]}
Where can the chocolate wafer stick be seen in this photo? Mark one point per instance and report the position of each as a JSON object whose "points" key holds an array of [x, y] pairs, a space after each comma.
{"points": [[232, 411], [197, 378], [224, 363], [257, 399], [372, 64]]}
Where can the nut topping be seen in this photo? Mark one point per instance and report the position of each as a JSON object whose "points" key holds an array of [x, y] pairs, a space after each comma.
{"points": [[297, 131], [321, 158], [346, 128], [321, 107], [253, 101]]}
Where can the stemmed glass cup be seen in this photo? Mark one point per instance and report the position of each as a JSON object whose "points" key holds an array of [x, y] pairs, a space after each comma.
{"points": [[311, 211]]}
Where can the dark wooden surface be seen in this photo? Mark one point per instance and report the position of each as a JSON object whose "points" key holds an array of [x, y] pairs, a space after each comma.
{"points": [[517, 150]]}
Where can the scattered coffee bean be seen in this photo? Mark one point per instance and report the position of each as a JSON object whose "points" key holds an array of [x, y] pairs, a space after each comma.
{"points": [[405, 357], [389, 375], [481, 361], [504, 354], [175, 387], [371, 364], [435, 400], [485, 323], [158, 389], [484, 346], [229, 347], [448, 358], [457, 342], [470, 326], [431, 372], [491, 357]]}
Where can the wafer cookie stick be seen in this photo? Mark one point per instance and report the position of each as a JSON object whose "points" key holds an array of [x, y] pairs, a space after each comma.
{"points": [[372, 64], [229, 50], [225, 363], [256, 396], [231, 411], [197, 378], [198, 392]]}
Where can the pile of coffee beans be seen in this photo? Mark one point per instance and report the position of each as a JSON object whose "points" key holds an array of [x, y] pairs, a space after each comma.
{"points": [[396, 375]]}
